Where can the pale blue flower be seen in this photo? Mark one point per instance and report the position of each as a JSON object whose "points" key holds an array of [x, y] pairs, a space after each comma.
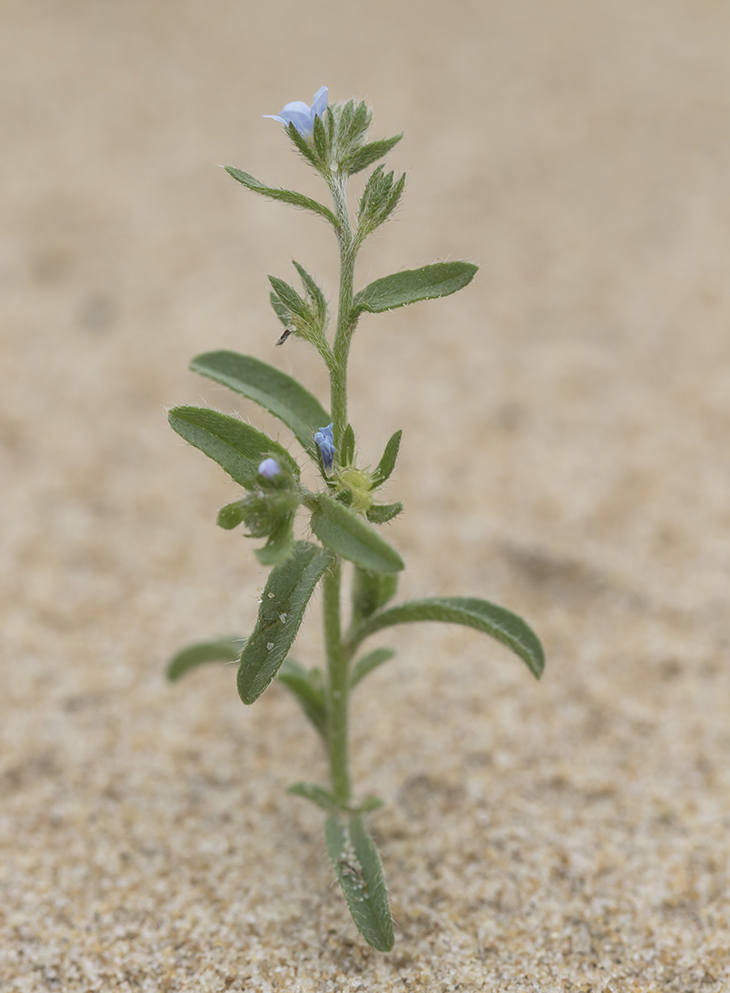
{"points": [[300, 114], [269, 468], [325, 440]]}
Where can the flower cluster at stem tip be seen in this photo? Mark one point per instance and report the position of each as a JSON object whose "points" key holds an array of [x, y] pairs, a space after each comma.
{"points": [[300, 114]]}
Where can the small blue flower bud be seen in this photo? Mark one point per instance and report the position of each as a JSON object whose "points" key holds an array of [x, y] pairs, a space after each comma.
{"points": [[325, 440], [269, 468], [300, 114]]}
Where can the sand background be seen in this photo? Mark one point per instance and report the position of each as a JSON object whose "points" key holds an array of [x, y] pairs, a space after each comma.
{"points": [[565, 453]]}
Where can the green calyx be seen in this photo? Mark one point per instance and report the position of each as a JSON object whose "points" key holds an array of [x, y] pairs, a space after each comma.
{"points": [[263, 512], [268, 511], [359, 483]]}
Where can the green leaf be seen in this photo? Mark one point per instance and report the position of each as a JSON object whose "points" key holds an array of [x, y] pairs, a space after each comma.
{"points": [[319, 136], [345, 117], [291, 299], [280, 544], [329, 122], [221, 650], [392, 201], [307, 318], [314, 293], [303, 146], [370, 803], [349, 536], [357, 126], [364, 156], [369, 662], [371, 591], [280, 310], [379, 200], [276, 392], [285, 598], [412, 285], [236, 447], [357, 864], [347, 447], [498, 622], [308, 690], [286, 196], [230, 516], [387, 464], [319, 796], [381, 513]]}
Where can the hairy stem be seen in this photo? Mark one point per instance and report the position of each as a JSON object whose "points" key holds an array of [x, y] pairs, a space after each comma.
{"points": [[348, 253], [337, 687]]}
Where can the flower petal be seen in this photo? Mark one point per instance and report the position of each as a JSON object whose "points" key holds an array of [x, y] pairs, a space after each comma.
{"points": [[325, 441], [275, 117], [302, 122], [319, 101], [298, 106]]}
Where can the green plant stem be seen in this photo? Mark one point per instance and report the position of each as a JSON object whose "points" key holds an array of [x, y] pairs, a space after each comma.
{"points": [[338, 653], [345, 326], [338, 659]]}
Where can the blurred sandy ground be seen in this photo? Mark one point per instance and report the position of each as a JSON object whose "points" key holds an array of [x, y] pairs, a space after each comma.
{"points": [[565, 452]]}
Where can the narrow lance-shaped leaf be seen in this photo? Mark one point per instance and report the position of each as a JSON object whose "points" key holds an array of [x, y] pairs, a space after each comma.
{"points": [[202, 652], [349, 536], [371, 591], [385, 207], [357, 864], [393, 199], [319, 136], [314, 292], [498, 622], [412, 285], [303, 147], [347, 447], [351, 126], [329, 123], [345, 117], [368, 662], [309, 693], [280, 310], [236, 447], [379, 199], [276, 392], [286, 196], [315, 794], [304, 315], [387, 464], [284, 600], [364, 156], [290, 298]]}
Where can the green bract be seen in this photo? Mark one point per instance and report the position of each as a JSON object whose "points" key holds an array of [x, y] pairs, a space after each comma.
{"points": [[345, 510]]}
